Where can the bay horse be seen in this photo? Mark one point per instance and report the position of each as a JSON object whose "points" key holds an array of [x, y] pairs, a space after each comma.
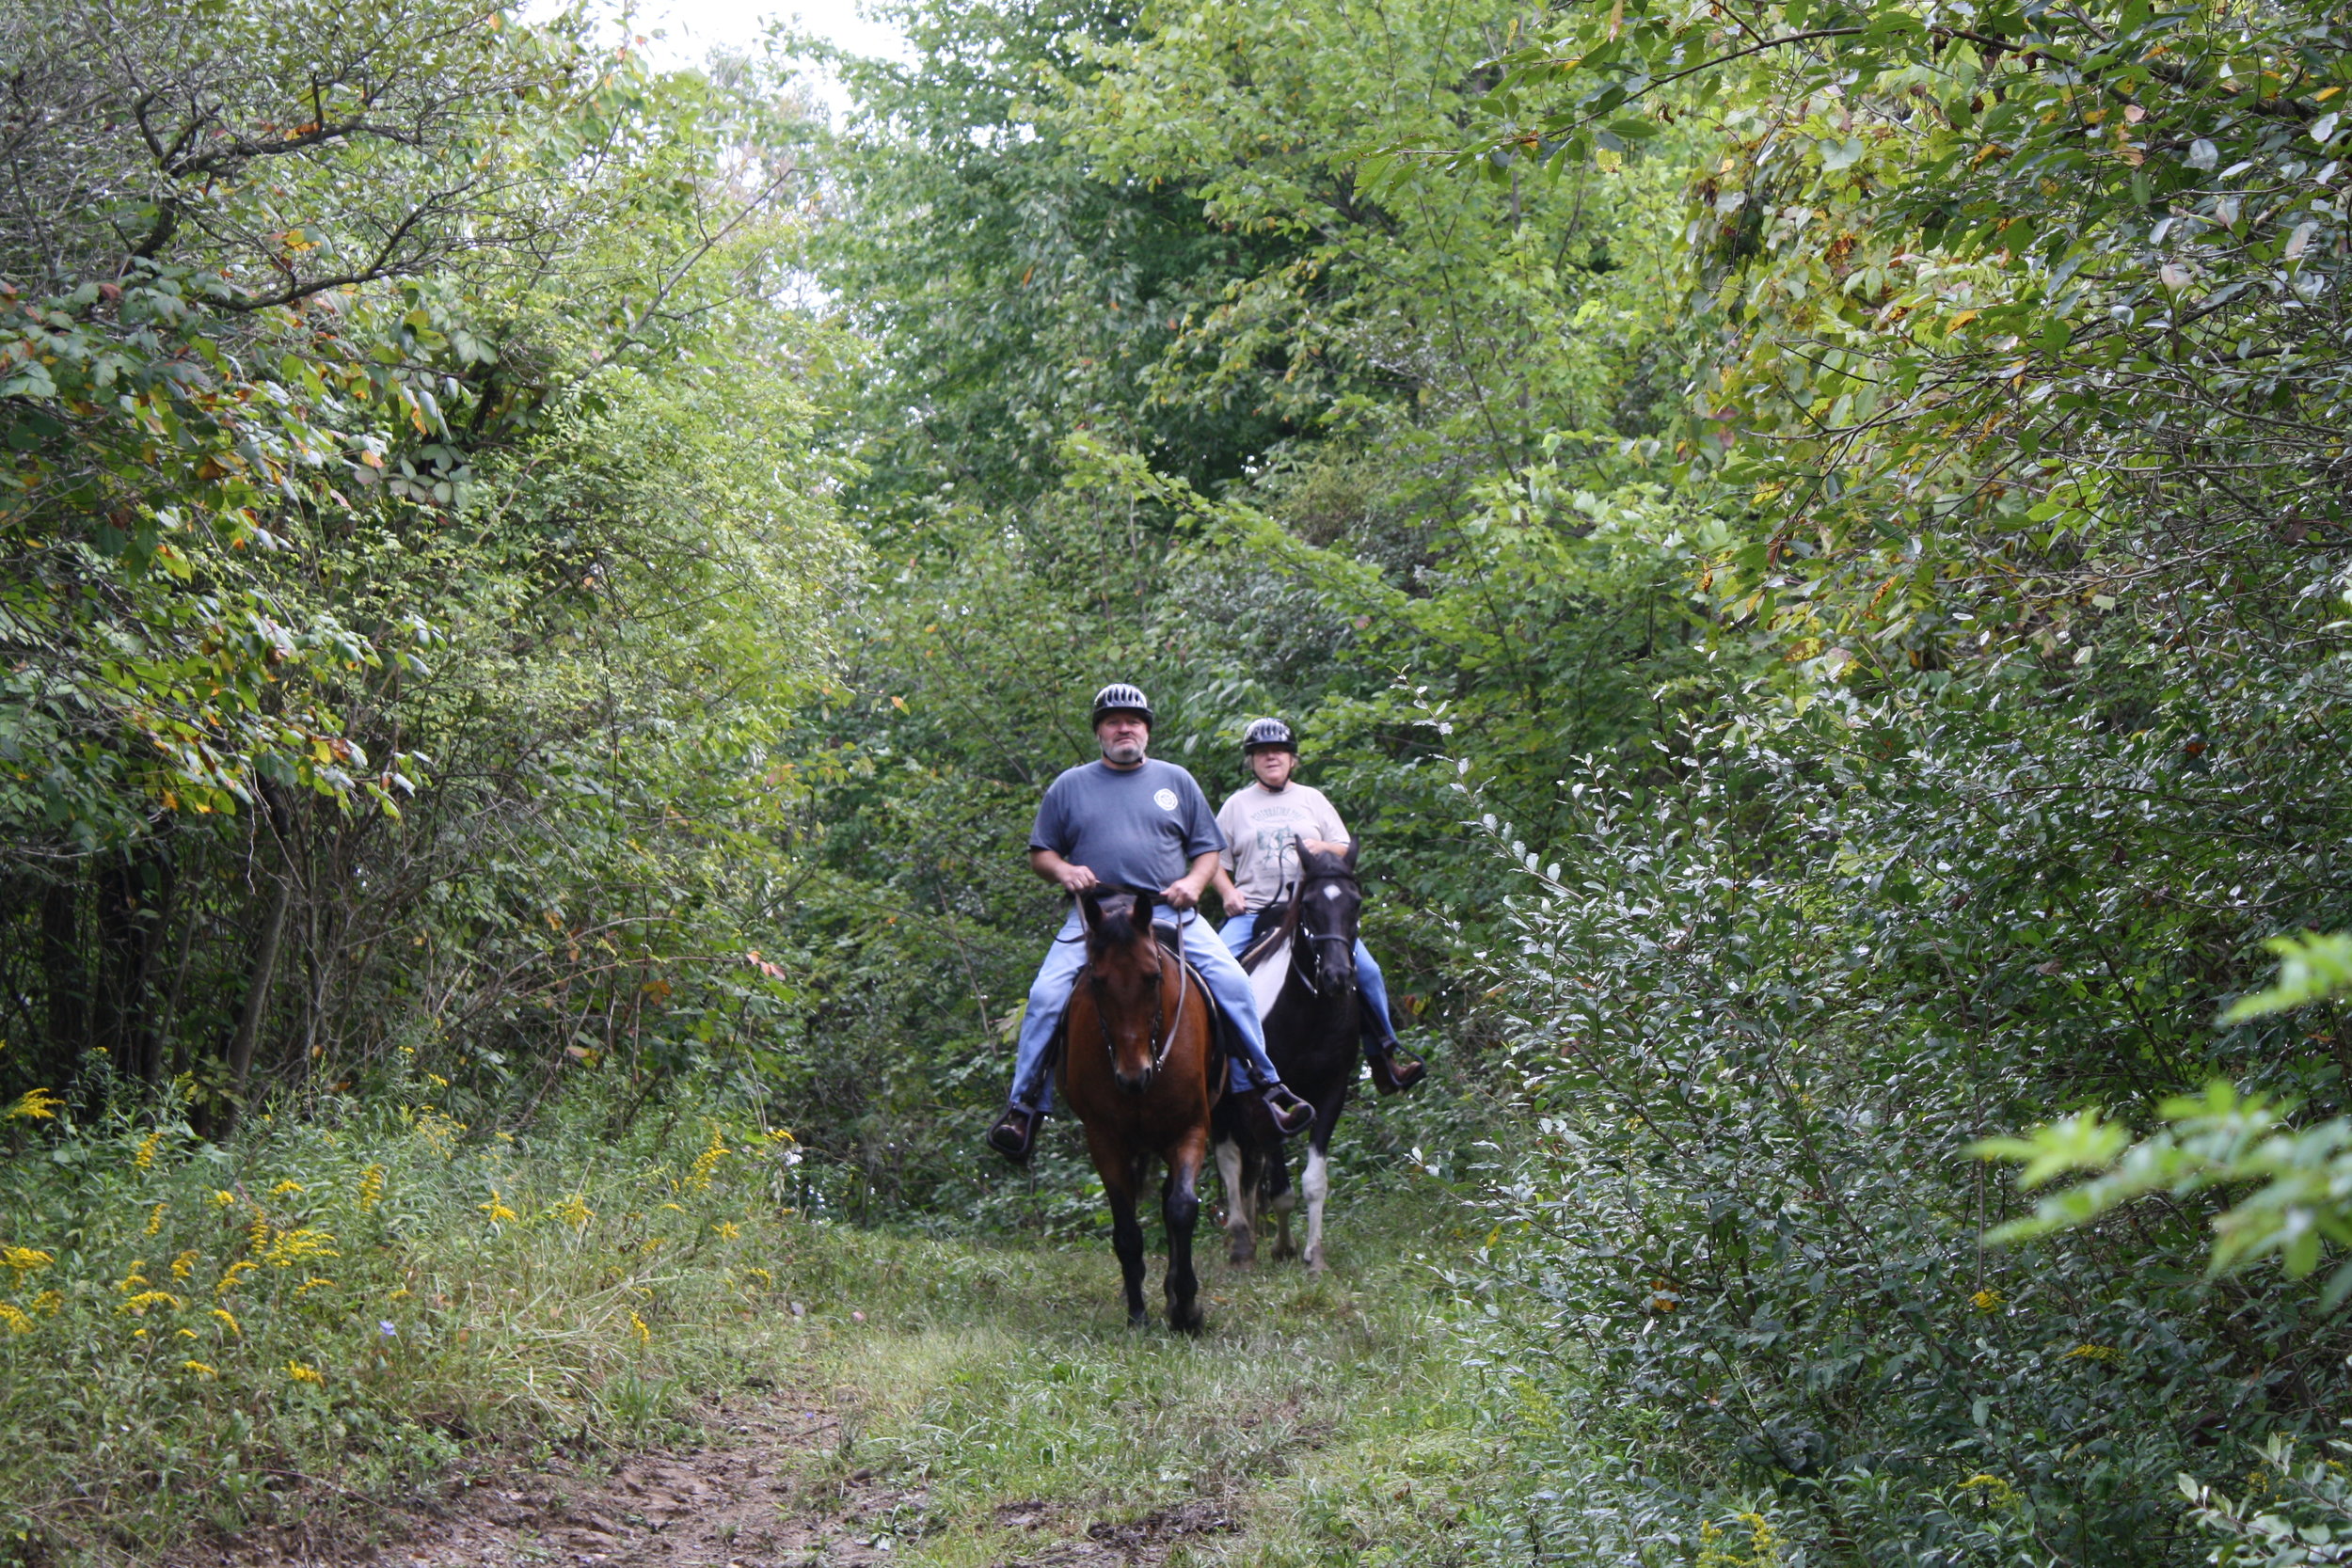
{"points": [[1314, 1033], [1142, 1070]]}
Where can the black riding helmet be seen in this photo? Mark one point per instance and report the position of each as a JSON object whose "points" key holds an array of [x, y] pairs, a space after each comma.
{"points": [[1268, 734], [1118, 697]]}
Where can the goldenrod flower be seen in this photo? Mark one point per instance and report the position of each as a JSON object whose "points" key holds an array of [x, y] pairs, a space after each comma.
{"points": [[2092, 1353], [698, 1178], [145, 1158], [145, 1299], [291, 1246], [36, 1106], [236, 1271], [185, 1264], [222, 1197], [25, 1260], [315, 1283], [301, 1373], [223, 1314], [155, 1218], [285, 1187], [136, 1276], [766, 1279], [637, 1326], [198, 1369], [48, 1302], [574, 1211], [1985, 1301], [371, 1187], [14, 1321], [496, 1209], [729, 1230]]}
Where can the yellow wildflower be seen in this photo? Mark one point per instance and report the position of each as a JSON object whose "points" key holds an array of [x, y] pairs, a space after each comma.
{"points": [[145, 1299], [782, 1135], [637, 1326], [2092, 1353], [371, 1187], [729, 1230], [185, 1264], [698, 1179], [14, 1321], [25, 1260], [198, 1369], [155, 1218], [315, 1283], [767, 1280], [222, 1197], [291, 1247], [675, 1208], [301, 1373], [236, 1270], [496, 1207], [283, 1188], [1996, 1491], [48, 1302], [136, 1276], [257, 1236], [574, 1211], [145, 1158], [223, 1314], [36, 1106], [1985, 1301]]}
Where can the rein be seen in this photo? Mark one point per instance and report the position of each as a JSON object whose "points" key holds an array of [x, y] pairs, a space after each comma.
{"points": [[1163, 1034]]}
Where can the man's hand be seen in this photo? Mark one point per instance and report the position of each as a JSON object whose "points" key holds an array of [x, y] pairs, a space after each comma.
{"points": [[1181, 894], [1075, 879]]}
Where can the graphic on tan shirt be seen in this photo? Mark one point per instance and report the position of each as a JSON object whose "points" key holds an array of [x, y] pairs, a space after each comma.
{"points": [[1262, 827]]}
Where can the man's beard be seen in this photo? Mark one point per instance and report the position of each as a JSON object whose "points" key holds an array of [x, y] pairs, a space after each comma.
{"points": [[1125, 753]]}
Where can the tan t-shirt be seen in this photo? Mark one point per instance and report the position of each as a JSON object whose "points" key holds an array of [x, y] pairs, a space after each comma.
{"points": [[1260, 827]]}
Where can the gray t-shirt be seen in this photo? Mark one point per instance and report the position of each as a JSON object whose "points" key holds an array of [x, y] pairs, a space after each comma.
{"points": [[1142, 827], [1262, 829]]}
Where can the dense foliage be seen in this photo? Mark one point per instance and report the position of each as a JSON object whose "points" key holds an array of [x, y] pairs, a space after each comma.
{"points": [[1809, 538]]}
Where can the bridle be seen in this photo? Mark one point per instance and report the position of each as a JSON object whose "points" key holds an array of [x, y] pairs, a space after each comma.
{"points": [[1163, 1033], [1305, 940]]}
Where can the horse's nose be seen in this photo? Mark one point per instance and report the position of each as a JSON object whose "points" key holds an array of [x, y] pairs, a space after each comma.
{"points": [[1134, 1083]]}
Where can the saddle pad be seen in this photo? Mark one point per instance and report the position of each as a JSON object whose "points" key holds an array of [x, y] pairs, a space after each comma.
{"points": [[1265, 981]]}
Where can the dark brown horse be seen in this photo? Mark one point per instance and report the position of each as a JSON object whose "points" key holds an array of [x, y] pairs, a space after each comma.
{"points": [[1140, 1068], [1314, 1034]]}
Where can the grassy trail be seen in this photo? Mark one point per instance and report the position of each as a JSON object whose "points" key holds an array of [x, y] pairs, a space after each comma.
{"points": [[964, 1403]]}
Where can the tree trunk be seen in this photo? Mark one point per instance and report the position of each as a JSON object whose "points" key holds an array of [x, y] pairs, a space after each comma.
{"points": [[240, 1055], [68, 984]]}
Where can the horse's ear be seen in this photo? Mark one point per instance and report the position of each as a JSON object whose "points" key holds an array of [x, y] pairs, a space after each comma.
{"points": [[1354, 844], [1090, 908], [1143, 911]]}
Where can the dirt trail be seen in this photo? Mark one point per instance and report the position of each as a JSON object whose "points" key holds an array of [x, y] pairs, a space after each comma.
{"points": [[759, 1493]]}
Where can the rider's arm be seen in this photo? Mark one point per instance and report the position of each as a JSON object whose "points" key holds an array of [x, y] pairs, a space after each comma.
{"points": [[1069, 877], [1236, 901], [1185, 891]]}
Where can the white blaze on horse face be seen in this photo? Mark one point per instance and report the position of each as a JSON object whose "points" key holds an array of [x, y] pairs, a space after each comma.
{"points": [[1331, 892]]}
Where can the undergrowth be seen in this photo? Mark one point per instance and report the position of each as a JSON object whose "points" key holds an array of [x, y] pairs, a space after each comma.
{"points": [[340, 1302]]}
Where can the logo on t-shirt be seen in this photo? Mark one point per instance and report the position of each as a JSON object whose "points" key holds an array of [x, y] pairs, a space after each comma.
{"points": [[1165, 798]]}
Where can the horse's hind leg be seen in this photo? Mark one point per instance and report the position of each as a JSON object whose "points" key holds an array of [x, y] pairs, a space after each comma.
{"points": [[1179, 1206], [1280, 1199], [1121, 1174], [1241, 1202]]}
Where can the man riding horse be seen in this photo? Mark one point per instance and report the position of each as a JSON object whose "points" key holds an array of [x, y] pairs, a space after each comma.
{"points": [[1263, 824], [1129, 821]]}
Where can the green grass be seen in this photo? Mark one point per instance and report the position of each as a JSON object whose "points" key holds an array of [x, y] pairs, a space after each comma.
{"points": [[351, 1307], [1328, 1415]]}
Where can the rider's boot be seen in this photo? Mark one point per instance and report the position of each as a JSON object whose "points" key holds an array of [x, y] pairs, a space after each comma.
{"points": [[1014, 1135], [1291, 1114], [1393, 1070]]}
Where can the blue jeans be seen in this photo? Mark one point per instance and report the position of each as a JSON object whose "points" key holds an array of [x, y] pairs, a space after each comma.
{"points": [[1242, 929], [1049, 995]]}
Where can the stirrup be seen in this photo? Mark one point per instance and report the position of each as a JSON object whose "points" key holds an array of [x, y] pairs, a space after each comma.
{"points": [[1291, 1114], [1394, 1071], [1014, 1135]]}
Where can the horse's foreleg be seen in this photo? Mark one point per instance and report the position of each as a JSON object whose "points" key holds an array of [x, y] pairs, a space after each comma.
{"points": [[1179, 1206], [1241, 1203], [1122, 1174], [1317, 1186]]}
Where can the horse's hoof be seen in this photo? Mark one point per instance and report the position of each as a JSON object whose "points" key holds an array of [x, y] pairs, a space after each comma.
{"points": [[1188, 1323], [1138, 1319], [1315, 1263]]}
